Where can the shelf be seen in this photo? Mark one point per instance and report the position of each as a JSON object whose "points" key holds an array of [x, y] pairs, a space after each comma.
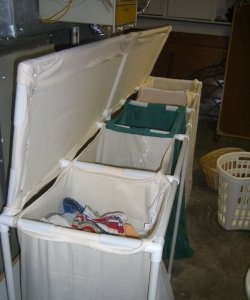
{"points": [[187, 20], [187, 25]]}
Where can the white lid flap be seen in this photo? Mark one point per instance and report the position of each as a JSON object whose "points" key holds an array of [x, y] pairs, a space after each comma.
{"points": [[138, 61], [59, 98]]}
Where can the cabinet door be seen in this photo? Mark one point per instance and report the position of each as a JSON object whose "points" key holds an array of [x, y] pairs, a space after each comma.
{"points": [[234, 117], [156, 8], [194, 9], [185, 54]]}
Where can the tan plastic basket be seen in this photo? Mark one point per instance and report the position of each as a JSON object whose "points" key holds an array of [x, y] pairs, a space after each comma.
{"points": [[208, 164], [234, 190]]}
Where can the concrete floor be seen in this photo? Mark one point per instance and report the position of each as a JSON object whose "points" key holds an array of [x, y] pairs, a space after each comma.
{"points": [[221, 258]]}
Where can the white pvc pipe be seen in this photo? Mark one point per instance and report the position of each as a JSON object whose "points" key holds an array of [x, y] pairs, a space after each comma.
{"points": [[119, 241], [153, 282], [164, 215], [178, 209], [9, 278], [156, 257]]}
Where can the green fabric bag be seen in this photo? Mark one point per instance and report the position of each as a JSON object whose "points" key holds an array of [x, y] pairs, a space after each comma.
{"points": [[163, 117]]}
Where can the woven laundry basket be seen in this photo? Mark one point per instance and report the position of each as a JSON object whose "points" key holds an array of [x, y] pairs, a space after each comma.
{"points": [[234, 190], [208, 164]]}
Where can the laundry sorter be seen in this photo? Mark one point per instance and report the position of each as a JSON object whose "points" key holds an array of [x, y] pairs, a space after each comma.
{"points": [[64, 102]]}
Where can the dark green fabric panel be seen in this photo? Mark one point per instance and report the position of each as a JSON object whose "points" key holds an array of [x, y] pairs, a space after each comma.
{"points": [[182, 248], [137, 130], [154, 116]]}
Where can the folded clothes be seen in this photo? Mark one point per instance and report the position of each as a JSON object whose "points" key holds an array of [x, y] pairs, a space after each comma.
{"points": [[86, 219]]}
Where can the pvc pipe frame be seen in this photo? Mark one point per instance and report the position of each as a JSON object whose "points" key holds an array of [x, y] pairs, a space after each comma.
{"points": [[9, 278], [155, 248], [180, 170], [157, 255], [178, 209]]}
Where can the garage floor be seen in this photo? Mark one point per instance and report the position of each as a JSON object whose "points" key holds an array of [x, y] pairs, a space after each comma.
{"points": [[221, 258]]}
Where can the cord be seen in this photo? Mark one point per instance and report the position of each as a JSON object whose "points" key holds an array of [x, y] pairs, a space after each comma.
{"points": [[60, 14]]}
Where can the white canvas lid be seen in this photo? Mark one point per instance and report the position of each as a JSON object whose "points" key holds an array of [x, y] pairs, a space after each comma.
{"points": [[62, 95]]}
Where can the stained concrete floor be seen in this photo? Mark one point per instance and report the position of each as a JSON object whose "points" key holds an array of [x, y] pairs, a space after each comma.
{"points": [[221, 258]]}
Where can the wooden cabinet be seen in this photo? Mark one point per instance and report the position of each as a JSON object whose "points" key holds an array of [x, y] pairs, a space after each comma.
{"points": [[235, 107], [185, 54]]}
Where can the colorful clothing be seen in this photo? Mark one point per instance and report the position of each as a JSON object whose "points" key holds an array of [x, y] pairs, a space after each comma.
{"points": [[86, 219], [112, 223]]}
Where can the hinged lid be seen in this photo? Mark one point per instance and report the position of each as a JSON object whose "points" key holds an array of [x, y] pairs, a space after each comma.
{"points": [[60, 96]]}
